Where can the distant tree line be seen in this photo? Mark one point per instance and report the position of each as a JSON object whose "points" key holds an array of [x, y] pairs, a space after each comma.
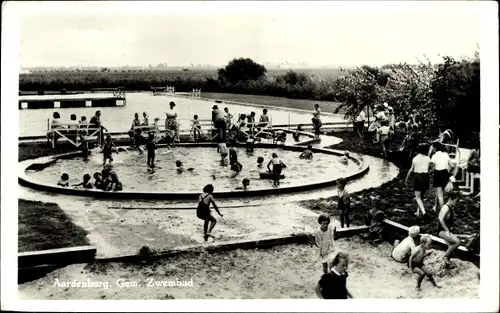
{"points": [[447, 93]]}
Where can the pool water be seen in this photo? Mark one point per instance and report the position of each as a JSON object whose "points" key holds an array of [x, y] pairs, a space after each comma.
{"points": [[119, 119], [133, 171]]}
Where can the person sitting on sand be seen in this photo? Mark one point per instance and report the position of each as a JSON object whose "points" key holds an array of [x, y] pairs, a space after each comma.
{"points": [[445, 224], [245, 183], [325, 241], [203, 211], [416, 261], [307, 154], [401, 251], [296, 134], [64, 182], [87, 184], [278, 165], [260, 160], [97, 180], [333, 285], [375, 220], [345, 158]]}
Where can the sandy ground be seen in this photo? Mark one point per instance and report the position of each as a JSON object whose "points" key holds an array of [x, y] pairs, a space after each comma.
{"points": [[287, 272]]}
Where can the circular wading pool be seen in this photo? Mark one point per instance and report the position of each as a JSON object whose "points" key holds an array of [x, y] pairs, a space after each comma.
{"points": [[168, 183]]}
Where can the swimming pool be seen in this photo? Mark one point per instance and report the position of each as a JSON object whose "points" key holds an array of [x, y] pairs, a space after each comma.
{"points": [[119, 119], [132, 169]]}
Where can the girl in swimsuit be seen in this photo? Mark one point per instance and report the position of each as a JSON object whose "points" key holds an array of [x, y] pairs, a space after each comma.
{"points": [[203, 211], [445, 223], [416, 261]]}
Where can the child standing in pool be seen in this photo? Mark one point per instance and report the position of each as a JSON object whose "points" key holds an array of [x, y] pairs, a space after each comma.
{"points": [[416, 261], [233, 158], [84, 140], [151, 147], [343, 203], [222, 150], [278, 166], [325, 241], [107, 150], [296, 135]]}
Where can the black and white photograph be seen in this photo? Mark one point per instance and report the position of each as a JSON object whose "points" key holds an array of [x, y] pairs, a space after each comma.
{"points": [[212, 150]]}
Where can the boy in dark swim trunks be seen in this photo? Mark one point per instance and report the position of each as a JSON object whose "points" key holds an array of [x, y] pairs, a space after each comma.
{"points": [[416, 261], [233, 158], [151, 146]]}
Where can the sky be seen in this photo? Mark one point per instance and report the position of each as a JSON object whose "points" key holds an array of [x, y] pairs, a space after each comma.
{"points": [[322, 34]]}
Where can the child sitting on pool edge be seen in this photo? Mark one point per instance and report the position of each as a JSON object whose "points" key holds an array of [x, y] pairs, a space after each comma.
{"points": [[97, 180], [416, 261], [86, 182], [245, 183], [64, 182], [307, 154]]}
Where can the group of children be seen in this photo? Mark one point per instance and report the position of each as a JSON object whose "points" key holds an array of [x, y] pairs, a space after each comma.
{"points": [[106, 180]]}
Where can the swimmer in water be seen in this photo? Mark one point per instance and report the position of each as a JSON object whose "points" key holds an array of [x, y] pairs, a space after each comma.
{"points": [[307, 154], [245, 183], [416, 261], [345, 158], [180, 167], [86, 182], [260, 160], [64, 182]]}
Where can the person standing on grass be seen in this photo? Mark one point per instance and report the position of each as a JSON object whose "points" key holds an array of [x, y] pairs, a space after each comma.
{"points": [[441, 164], [359, 124], [445, 224], [333, 285], [420, 167], [203, 211], [316, 120]]}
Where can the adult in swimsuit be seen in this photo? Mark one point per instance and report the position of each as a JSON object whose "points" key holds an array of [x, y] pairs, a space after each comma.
{"points": [[445, 223]]}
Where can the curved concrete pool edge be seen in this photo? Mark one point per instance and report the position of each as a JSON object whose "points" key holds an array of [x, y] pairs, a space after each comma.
{"points": [[28, 181]]}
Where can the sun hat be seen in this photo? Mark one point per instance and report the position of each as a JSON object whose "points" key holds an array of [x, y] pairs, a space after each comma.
{"points": [[414, 231]]}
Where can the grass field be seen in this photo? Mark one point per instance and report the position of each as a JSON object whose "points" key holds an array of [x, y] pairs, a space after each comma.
{"points": [[45, 226]]}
